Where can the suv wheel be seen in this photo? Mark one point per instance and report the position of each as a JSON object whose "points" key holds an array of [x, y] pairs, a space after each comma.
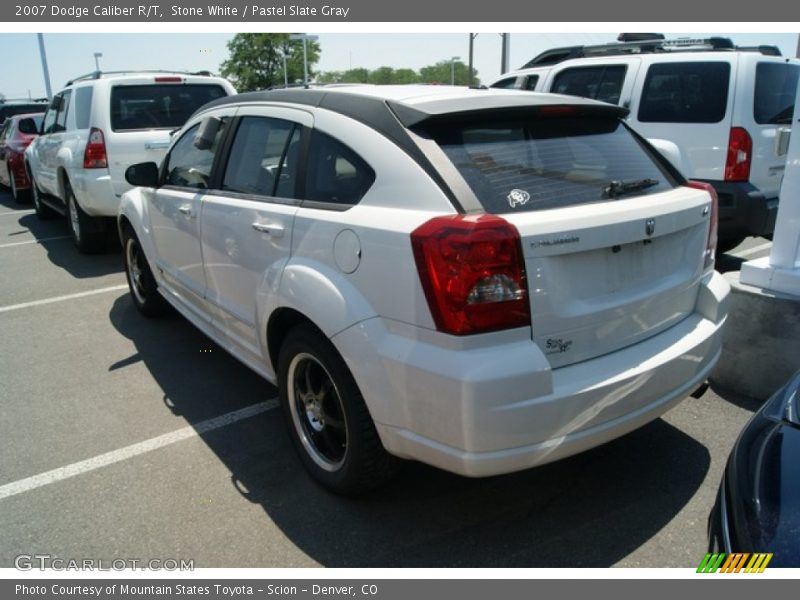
{"points": [[43, 211], [142, 284], [80, 225], [328, 421]]}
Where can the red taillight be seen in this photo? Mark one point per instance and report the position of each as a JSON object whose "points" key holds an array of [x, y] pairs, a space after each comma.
{"points": [[94, 157], [473, 273], [711, 243], [168, 79], [740, 153]]}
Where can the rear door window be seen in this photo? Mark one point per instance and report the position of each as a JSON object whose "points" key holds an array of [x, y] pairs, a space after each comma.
{"points": [[691, 92], [505, 84], [599, 83], [264, 157], [63, 111], [547, 163], [158, 106], [774, 95]]}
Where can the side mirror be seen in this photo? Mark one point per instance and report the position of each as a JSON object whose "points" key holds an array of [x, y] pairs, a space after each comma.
{"points": [[142, 174], [27, 126], [56, 103], [207, 133]]}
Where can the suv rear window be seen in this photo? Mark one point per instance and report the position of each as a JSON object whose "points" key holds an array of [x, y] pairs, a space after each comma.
{"points": [[135, 107], [691, 92], [776, 86], [600, 83], [555, 162]]}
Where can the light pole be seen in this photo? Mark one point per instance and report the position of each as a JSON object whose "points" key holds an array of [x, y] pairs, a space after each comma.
{"points": [[45, 70], [453, 69], [97, 57], [472, 37], [285, 72], [305, 38]]}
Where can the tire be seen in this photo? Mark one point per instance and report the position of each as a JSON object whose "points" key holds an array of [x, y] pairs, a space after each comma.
{"points": [[43, 211], [143, 287], [83, 227], [728, 244], [328, 422], [18, 195]]}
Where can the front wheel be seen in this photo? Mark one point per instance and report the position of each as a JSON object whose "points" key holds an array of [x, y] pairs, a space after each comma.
{"points": [[43, 211], [142, 284], [328, 422]]}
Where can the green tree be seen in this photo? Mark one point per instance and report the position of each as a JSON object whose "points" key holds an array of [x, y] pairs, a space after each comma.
{"points": [[357, 75], [382, 76], [403, 76], [441, 73], [255, 61]]}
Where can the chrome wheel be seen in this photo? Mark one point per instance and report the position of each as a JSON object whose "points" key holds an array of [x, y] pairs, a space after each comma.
{"points": [[133, 261], [317, 412]]}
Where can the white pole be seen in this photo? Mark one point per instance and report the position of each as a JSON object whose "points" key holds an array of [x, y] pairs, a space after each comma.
{"points": [[305, 62], [45, 71]]}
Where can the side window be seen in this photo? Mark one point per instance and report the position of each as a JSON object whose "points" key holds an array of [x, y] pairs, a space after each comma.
{"points": [[63, 110], [189, 166], [599, 83], [335, 173], [505, 84], [83, 106], [49, 119], [691, 92], [263, 158], [530, 82]]}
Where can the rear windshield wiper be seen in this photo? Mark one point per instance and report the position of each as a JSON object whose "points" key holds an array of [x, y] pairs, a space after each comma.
{"points": [[617, 188]]}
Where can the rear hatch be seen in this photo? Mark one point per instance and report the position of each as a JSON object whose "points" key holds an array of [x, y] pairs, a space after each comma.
{"points": [[143, 113], [613, 245], [769, 119]]}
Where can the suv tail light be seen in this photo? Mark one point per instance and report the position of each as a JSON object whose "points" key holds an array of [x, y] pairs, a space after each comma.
{"points": [[473, 273], [711, 244], [94, 157], [740, 153], [168, 79]]}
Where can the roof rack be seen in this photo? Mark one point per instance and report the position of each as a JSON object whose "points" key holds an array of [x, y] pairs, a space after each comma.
{"points": [[101, 74], [640, 44]]}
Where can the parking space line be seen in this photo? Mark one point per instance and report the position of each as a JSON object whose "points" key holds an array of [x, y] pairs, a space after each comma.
{"points": [[17, 212], [39, 241], [113, 288], [751, 251], [115, 456]]}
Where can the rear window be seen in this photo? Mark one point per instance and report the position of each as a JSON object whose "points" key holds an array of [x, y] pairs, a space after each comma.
{"points": [[550, 163], [599, 83], [776, 86], [156, 106], [691, 92]]}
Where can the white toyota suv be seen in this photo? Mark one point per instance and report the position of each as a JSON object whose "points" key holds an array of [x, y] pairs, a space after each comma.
{"points": [[480, 280], [720, 112], [96, 127]]}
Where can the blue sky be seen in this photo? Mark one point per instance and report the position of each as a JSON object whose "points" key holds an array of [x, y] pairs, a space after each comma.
{"points": [[72, 54]]}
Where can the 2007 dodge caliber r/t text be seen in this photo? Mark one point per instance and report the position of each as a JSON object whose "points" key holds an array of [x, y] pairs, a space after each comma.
{"points": [[481, 280]]}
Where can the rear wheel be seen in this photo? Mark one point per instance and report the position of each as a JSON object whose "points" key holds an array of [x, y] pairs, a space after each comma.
{"points": [[142, 284], [13, 184], [88, 233], [328, 421]]}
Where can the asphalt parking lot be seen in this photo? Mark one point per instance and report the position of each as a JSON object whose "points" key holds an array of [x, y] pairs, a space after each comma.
{"points": [[127, 438]]}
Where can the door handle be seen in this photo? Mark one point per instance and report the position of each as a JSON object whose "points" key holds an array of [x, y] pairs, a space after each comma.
{"points": [[186, 209], [269, 228]]}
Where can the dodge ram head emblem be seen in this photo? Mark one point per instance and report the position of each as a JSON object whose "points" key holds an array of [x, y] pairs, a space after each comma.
{"points": [[650, 227]]}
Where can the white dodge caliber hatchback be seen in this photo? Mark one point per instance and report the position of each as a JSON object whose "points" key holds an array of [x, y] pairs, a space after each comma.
{"points": [[481, 280]]}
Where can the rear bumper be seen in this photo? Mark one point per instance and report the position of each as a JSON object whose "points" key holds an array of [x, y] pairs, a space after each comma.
{"points": [[480, 411], [744, 210]]}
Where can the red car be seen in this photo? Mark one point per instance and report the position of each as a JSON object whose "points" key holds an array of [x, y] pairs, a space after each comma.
{"points": [[15, 135]]}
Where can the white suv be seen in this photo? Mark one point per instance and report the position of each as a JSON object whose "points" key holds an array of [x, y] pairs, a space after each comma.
{"points": [[477, 279], [95, 128], [721, 113]]}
